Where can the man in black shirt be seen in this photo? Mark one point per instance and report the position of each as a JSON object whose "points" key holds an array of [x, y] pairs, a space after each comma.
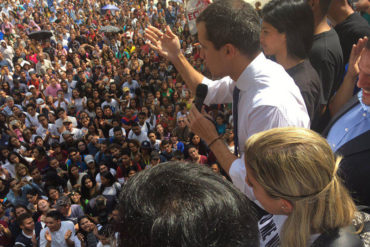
{"points": [[27, 238], [326, 56], [349, 25]]}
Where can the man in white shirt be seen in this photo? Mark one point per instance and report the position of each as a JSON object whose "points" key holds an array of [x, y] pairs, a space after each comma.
{"points": [[131, 84], [266, 97], [70, 130], [58, 233], [137, 134], [61, 101], [31, 116], [47, 131], [62, 115]]}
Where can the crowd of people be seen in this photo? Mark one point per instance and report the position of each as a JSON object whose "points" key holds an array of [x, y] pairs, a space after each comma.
{"points": [[84, 109], [91, 93]]}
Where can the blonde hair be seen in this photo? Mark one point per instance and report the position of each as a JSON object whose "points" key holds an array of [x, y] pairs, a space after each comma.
{"points": [[18, 165], [298, 165]]}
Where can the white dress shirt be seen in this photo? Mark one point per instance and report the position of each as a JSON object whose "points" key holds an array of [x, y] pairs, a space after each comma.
{"points": [[268, 99]]}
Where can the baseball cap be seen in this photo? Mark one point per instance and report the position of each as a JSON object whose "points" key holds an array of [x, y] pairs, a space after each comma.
{"points": [[63, 201], [67, 120], [66, 132], [145, 144], [154, 155], [89, 158]]}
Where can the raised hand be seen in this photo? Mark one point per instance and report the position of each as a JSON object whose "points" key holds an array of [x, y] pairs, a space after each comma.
{"points": [[48, 236], [355, 56], [166, 44], [68, 234]]}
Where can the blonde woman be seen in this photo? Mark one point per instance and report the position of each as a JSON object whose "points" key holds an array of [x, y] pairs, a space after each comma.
{"points": [[22, 172], [293, 173]]}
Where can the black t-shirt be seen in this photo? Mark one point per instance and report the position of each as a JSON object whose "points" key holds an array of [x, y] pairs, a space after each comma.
{"points": [[326, 57], [308, 81], [349, 32]]}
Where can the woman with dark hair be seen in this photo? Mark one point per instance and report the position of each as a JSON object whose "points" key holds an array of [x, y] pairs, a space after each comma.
{"points": [[4, 153], [82, 147], [75, 177], [109, 185], [76, 198], [53, 195], [90, 108], [89, 187], [39, 142], [41, 159], [199, 144], [287, 34], [87, 232]]}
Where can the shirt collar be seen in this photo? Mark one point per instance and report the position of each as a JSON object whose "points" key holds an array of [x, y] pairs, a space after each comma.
{"points": [[364, 107], [250, 72]]}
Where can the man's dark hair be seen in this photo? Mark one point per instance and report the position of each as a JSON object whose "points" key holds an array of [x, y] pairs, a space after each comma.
{"points": [[126, 151], [232, 22], [368, 45], [117, 128], [164, 142], [22, 217], [184, 205], [178, 155], [41, 115], [295, 19], [72, 149], [30, 105], [55, 214], [142, 114]]}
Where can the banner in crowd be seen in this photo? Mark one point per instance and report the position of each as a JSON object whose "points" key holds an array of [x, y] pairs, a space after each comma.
{"points": [[193, 9]]}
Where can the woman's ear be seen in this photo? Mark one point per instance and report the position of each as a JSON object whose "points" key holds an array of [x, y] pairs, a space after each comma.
{"points": [[286, 206]]}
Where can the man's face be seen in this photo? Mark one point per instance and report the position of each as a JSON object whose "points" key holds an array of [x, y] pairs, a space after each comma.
{"points": [[181, 122], [36, 175], [136, 130], [213, 58], [31, 111], [118, 134], [103, 168], [75, 156], [141, 119], [20, 211], [125, 159], [152, 137], [28, 224], [64, 209], [52, 224], [364, 76]]}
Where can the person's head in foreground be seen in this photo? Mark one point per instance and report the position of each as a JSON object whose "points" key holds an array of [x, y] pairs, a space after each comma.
{"points": [[183, 204], [293, 172]]}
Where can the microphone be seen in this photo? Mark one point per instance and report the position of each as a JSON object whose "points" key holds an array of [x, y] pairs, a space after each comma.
{"points": [[200, 95]]}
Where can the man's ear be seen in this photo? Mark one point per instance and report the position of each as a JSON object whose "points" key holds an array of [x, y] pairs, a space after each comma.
{"points": [[229, 50]]}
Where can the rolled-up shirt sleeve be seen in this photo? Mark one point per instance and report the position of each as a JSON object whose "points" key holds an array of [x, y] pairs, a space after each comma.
{"points": [[219, 91]]}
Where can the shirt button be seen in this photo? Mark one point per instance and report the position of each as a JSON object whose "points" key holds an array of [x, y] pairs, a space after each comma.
{"points": [[364, 114], [346, 129]]}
